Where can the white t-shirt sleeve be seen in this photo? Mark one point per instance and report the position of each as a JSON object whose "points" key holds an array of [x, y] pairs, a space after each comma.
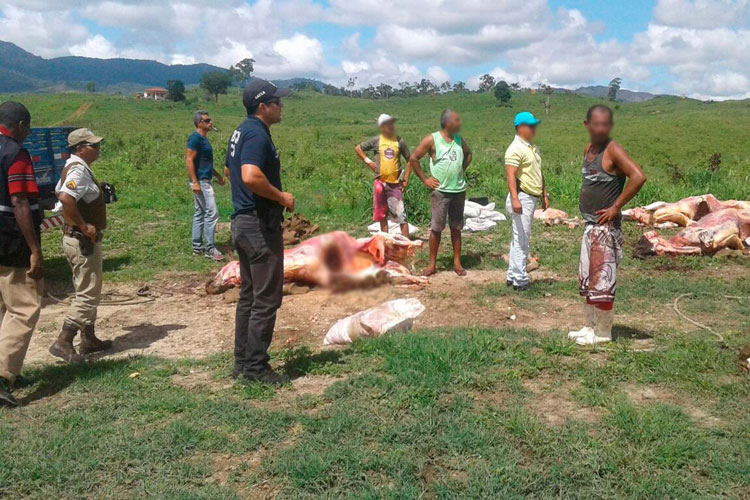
{"points": [[77, 182]]}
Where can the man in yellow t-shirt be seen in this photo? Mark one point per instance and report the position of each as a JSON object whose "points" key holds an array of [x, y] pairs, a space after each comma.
{"points": [[390, 179], [523, 169]]}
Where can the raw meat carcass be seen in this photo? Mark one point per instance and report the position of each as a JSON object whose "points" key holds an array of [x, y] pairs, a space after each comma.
{"points": [[385, 247], [639, 214], [338, 261], [550, 214], [725, 228], [686, 210], [554, 216]]}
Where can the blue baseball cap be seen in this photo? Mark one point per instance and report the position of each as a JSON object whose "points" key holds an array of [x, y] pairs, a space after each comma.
{"points": [[526, 118]]}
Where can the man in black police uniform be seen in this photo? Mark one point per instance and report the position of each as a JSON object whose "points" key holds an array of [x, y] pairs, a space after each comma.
{"points": [[259, 203]]}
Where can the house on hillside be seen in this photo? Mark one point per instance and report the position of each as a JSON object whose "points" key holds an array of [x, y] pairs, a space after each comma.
{"points": [[155, 93]]}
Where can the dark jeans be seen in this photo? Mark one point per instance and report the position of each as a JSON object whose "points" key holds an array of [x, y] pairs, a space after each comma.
{"points": [[260, 247]]}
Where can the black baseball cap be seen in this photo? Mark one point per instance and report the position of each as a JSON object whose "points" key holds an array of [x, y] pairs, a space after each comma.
{"points": [[259, 91]]}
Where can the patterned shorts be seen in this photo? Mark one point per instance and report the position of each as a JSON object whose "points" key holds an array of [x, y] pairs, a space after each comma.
{"points": [[388, 201], [601, 253]]}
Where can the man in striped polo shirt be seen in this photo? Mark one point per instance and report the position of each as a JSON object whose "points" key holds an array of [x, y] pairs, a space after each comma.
{"points": [[21, 264]]}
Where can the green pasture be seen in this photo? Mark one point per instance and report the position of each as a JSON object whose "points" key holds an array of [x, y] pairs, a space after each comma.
{"points": [[441, 413], [673, 139]]}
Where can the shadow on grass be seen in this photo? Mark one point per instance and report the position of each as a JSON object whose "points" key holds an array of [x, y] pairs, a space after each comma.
{"points": [[628, 332], [301, 361], [57, 269], [137, 337], [52, 379]]}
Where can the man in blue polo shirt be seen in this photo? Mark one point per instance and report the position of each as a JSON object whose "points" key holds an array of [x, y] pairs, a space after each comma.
{"points": [[259, 203], [199, 163]]}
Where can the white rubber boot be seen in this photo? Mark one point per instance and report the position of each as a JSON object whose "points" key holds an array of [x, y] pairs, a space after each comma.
{"points": [[602, 329], [590, 318]]}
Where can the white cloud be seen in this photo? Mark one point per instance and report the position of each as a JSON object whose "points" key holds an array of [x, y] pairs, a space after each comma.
{"points": [[702, 13], [354, 67], [438, 75], [299, 55], [94, 46]]}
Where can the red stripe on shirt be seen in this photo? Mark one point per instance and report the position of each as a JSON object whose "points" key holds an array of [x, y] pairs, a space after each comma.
{"points": [[21, 178]]}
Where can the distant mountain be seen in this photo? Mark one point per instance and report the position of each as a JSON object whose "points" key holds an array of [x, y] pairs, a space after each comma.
{"points": [[21, 71], [622, 95]]}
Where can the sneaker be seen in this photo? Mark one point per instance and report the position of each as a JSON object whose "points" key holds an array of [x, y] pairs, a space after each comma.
{"points": [[214, 254], [521, 288], [268, 377], [586, 330], [592, 339], [197, 253], [6, 398], [508, 283]]}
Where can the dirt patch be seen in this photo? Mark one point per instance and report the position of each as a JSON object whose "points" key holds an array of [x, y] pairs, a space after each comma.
{"points": [[313, 385], [641, 395], [551, 402], [178, 319], [77, 114]]}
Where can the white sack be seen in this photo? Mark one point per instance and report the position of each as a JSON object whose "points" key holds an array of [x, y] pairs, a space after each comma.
{"points": [[393, 316], [393, 228], [475, 224]]}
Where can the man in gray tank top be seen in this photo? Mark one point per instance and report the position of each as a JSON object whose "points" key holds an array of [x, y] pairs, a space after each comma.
{"points": [[604, 191]]}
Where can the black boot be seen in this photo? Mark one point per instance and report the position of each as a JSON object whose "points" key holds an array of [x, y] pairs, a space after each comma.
{"points": [[268, 377], [63, 346], [6, 398], [90, 343]]}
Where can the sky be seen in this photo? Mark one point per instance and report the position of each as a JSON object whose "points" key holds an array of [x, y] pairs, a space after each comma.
{"points": [[696, 48]]}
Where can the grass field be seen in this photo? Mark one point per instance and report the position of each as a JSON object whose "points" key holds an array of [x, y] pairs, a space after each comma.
{"points": [[513, 411]]}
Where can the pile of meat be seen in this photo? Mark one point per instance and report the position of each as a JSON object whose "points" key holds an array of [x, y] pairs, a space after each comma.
{"points": [[338, 261], [709, 225], [554, 217]]}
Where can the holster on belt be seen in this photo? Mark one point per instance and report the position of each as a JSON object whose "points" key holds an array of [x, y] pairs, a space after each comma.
{"points": [[84, 242]]}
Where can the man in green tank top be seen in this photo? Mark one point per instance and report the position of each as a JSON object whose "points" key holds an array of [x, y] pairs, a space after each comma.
{"points": [[449, 158]]}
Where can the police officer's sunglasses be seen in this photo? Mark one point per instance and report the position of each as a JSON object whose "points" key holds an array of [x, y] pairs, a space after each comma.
{"points": [[206, 120]]}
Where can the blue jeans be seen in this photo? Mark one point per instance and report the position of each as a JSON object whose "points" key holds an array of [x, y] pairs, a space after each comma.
{"points": [[205, 218]]}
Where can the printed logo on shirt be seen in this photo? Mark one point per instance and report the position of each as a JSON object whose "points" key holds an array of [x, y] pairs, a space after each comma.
{"points": [[389, 153], [453, 155], [71, 185]]}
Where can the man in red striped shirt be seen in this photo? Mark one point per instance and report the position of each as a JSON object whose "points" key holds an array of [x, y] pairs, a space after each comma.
{"points": [[21, 263]]}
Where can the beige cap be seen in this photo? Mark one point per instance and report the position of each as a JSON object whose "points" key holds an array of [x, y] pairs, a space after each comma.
{"points": [[81, 135]]}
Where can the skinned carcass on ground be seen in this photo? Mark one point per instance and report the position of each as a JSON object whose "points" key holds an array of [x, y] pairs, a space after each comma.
{"points": [[338, 261], [554, 217], [726, 228], [681, 213]]}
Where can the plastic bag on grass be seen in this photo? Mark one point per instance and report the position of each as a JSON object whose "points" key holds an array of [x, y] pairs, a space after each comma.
{"points": [[393, 316]]}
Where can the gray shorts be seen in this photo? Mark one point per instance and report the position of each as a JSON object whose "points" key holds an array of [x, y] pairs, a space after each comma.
{"points": [[448, 206]]}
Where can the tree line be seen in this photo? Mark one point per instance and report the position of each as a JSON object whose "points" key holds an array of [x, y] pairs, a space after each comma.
{"points": [[215, 83]]}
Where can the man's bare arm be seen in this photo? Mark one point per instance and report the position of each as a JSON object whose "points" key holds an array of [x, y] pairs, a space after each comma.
{"points": [[254, 178], [468, 156], [22, 212], [419, 152], [362, 156], [636, 179], [190, 155]]}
